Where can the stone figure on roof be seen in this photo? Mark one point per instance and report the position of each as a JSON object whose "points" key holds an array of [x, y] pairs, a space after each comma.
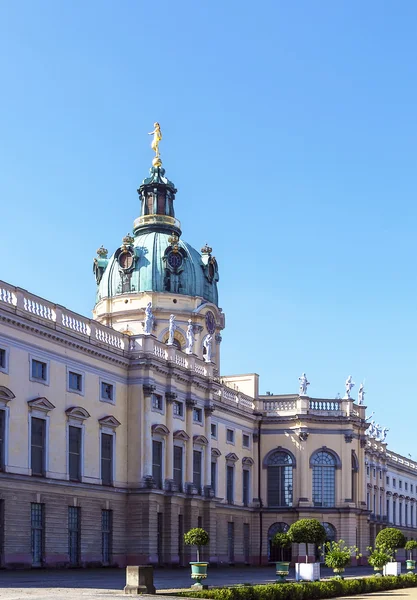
{"points": [[190, 337], [172, 328], [303, 385], [207, 344], [149, 319], [361, 394], [348, 385], [383, 434]]}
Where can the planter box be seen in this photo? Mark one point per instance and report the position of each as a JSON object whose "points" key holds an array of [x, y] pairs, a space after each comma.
{"points": [[392, 568], [307, 571]]}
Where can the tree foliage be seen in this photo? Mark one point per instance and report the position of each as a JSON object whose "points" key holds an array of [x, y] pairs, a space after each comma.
{"points": [[307, 531], [390, 538]]}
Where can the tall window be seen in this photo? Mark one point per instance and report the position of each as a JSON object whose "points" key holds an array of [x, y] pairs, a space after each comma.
{"points": [[406, 514], [178, 466], [246, 543], [388, 515], [197, 469], [106, 458], [37, 526], [245, 481], [400, 513], [2, 438], [74, 535], [231, 542], [38, 430], [106, 536], [324, 469], [157, 463], [230, 484], [394, 512], [74, 451], [214, 477], [412, 515], [280, 476]]}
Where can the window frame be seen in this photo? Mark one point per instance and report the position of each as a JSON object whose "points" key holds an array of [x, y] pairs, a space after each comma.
{"points": [[160, 406], [180, 484], [286, 476], [179, 415], [197, 411], [230, 498], [324, 469], [81, 374], [110, 432], [102, 382], [233, 432], [45, 465], [80, 428], [247, 487], [159, 484], [243, 440], [6, 350], [4, 437], [44, 361], [200, 486]]}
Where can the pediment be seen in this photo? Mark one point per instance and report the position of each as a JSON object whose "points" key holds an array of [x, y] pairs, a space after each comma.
{"points": [[180, 434], [109, 421], [77, 412], [200, 439], [247, 460], [215, 452], [5, 394], [232, 457], [41, 404], [160, 428]]}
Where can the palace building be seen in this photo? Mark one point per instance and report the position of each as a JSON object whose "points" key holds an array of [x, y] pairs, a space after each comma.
{"points": [[119, 433]]}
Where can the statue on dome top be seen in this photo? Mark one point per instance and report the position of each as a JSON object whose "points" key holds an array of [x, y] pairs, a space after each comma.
{"points": [[157, 137], [303, 385], [149, 319]]}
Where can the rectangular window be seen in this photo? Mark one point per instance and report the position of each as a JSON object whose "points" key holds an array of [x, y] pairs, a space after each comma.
{"points": [[367, 470], [230, 484], [197, 415], [107, 391], [106, 459], [75, 381], [39, 370], [37, 526], [394, 482], [2, 440], [388, 515], [178, 466], [412, 515], [374, 472], [157, 463], [157, 402], [411, 488], [380, 507], [374, 506], [2, 358], [380, 474], [246, 487], [74, 535], [394, 512], [38, 430], [367, 501], [406, 486], [214, 477], [214, 431], [406, 515], [387, 480], [400, 513], [400, 484], [246, 543], [159, 537], [230, 436], [231, 542], [197, 470], [178, 408], [245, 441], [106, 536], [74, 452]]}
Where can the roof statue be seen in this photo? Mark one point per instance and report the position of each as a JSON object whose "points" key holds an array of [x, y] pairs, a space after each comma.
{"points": [[157, 137], [361, 394], [349, 385], [303, 385]]}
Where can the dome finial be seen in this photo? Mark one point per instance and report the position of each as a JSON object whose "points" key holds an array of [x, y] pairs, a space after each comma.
{"points": [[157, 137]]}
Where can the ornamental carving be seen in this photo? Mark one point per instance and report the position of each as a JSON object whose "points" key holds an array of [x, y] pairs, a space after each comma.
{"points": [[148, 389]]}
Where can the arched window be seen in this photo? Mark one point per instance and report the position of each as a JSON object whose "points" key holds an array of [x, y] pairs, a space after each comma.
{"points": [[324, 469], [274, 553], [279, 465]]}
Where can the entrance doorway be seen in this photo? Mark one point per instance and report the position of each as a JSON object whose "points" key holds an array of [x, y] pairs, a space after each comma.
{"points": [[274, 553], [330, 537]]}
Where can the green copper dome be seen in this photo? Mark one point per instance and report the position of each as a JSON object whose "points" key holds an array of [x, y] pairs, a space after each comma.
{"points": [[155, 259]]}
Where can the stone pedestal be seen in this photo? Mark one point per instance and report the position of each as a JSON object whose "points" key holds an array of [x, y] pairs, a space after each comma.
{"points": [[139, 580]]}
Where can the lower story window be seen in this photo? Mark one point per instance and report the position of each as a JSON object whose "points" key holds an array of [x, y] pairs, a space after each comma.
{"points": [[106, 536], [37, 526]]}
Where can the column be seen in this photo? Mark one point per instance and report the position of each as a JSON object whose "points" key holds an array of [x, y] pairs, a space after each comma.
{"points": [[189, 403], [169, 444], [147, 431], [208, 411]]}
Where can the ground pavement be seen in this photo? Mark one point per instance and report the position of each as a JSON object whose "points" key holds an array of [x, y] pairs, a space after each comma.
{"points": [[98, 584]]}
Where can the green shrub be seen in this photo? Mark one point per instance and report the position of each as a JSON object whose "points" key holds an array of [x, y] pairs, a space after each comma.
{"points": [[410, 546], [196, 537], [337, 555], [307, 590], [379, 557], [390, 539], [307, 531]]}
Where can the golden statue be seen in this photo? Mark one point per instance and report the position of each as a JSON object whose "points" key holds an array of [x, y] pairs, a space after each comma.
{"points": [[157, 137]]}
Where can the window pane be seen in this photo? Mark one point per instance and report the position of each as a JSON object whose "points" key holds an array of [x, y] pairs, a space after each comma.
{"points": [[178, 466], [74, 381], [37, 533], [157, 463], [74, 535], [230, 483], [106, 536], [280, 485], [38, 369], [2, 437], [214, 477], [245, 487], [2, 358], [197, 469], [106, 458], [75, 453], [38, 446]]}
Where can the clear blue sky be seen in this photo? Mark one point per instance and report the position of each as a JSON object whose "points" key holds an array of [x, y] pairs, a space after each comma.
{"points": [[290, 131]]}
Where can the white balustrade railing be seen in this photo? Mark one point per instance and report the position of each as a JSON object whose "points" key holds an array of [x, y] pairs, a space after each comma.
{"points": [[7, 296], [108, 337], [160, 351], [39, 309], [199, 369], [326, 405], [279, 405], [76, 324], [181, 361]]}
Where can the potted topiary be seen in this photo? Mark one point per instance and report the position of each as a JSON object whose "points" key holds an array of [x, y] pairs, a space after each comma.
{"points": [[337, 556], [307, 531], [410, 546], [281, 540], [197, 537], [389, 539], [378, 558]]}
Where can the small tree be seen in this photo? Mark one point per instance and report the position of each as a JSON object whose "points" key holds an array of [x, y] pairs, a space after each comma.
{"points": [[307, 531], [389, 539], [337, 555], [410, 546], [281, 540], [197, 537], [378, 557]]}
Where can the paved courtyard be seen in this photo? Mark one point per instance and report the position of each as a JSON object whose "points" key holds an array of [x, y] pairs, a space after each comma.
{"points": [[94, 584]]}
